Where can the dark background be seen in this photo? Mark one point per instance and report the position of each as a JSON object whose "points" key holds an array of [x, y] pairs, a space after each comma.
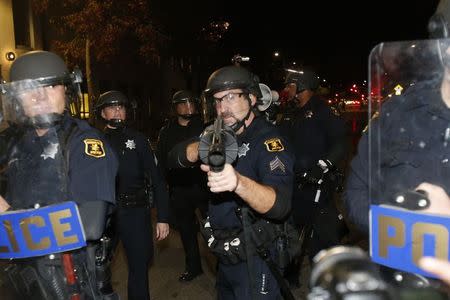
{"points": [[332, 37]]}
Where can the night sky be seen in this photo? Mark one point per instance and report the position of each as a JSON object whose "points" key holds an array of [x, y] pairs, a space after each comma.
{"points": [[332, 37]]}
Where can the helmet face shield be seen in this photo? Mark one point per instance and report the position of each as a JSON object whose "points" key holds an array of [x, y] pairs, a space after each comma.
{"points": [[188, 107], [31, 99], [208, 106]]}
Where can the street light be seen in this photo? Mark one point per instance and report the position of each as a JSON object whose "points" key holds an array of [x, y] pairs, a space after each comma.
{"points": [[10, 56], [276, 54]]}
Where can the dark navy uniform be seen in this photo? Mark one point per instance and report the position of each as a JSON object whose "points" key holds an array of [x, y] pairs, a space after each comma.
{"points": [[136, 161], [414, 138], [71, 161], [264, 157], [187, 187], [315, 132]]}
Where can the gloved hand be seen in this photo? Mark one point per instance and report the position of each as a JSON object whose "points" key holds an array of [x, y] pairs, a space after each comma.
{"points": [[315, 174]]}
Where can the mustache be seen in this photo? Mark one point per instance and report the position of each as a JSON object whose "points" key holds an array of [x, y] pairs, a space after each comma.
{"points": [[227, 114]]}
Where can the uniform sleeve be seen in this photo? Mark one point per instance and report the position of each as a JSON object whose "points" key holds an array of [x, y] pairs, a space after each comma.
{"points": [[93, 167], [336, 132], [161, 150], [275, 168], [159, 184], [356, 194]]}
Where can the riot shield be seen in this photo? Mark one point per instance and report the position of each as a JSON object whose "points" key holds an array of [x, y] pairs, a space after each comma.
{"points": [[408, 152]]}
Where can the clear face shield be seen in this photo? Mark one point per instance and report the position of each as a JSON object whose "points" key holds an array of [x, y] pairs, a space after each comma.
{"points": [[38, 102], [408, 143], [208, 109], [186, 109], [30, 102]]}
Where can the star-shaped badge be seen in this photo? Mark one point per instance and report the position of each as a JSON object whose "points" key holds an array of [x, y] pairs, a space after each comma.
{"points": [[50, 151], [242, 150], [130, 144]]}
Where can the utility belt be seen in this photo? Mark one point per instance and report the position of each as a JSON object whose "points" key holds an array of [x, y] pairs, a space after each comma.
{"points": [[137, 199], [230, 246]]}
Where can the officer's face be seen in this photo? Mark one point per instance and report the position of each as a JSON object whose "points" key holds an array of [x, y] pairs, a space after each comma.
{"points": [[117, 112], [291, 89], [232, 106], [43, 100], [186, 108]]}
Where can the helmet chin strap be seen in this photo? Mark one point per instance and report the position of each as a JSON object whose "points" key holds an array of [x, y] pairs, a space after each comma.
{"points": [[45, 121], [238, 125], [116, 123]]}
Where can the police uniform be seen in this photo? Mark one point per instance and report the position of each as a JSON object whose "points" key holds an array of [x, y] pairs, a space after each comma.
{"points": [[414, 137], [187, 187], [315, 132], [71, 162], [263, 156], [74, 150], [136, 161]]}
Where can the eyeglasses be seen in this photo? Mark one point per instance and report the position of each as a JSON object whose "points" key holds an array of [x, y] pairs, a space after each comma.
{"points": [[228, 98]]}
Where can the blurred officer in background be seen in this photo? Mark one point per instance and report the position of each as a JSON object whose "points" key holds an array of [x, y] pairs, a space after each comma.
{"points": [[137, 179], [186, 185], [51, 157], [318, 136]]}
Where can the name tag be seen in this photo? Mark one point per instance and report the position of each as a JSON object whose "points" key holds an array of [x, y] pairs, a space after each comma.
{"points": [[399, 238], [35, 232]]}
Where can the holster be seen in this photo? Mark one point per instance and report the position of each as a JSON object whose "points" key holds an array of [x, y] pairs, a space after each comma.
{"points": [[288, 243], [227, 245]]}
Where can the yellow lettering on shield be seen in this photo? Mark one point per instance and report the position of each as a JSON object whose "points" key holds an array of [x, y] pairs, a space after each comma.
{"points": [[94, 148], [274, 145]]}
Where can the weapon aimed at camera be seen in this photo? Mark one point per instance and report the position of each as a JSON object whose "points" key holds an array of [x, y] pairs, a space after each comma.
{"points": [[216, 153], [218, 146]]}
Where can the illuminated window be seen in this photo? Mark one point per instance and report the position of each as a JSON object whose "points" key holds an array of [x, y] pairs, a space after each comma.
{"points": [[83, 110]]}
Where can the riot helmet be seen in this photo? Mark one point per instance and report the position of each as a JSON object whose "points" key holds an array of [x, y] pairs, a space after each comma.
{"points": [[39, 87], [233, 77], [112, 99], [229, 78], [303, 80], [185, 104]]}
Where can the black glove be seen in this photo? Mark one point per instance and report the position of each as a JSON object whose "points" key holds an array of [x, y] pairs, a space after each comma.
{"points": [[315, 174]]}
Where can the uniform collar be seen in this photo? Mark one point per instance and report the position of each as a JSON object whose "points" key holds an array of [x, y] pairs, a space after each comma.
{"points": [[250, 130]]}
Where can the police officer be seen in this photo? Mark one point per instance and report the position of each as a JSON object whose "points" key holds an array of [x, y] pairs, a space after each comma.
{"points": [[52, 158], [318, 137], [136, 165], [413, 132], [259, 182], [186, 186]]}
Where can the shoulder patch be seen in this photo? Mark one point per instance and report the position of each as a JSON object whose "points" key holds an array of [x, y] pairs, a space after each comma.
{"points": [[94, 147], [274, 145]]}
